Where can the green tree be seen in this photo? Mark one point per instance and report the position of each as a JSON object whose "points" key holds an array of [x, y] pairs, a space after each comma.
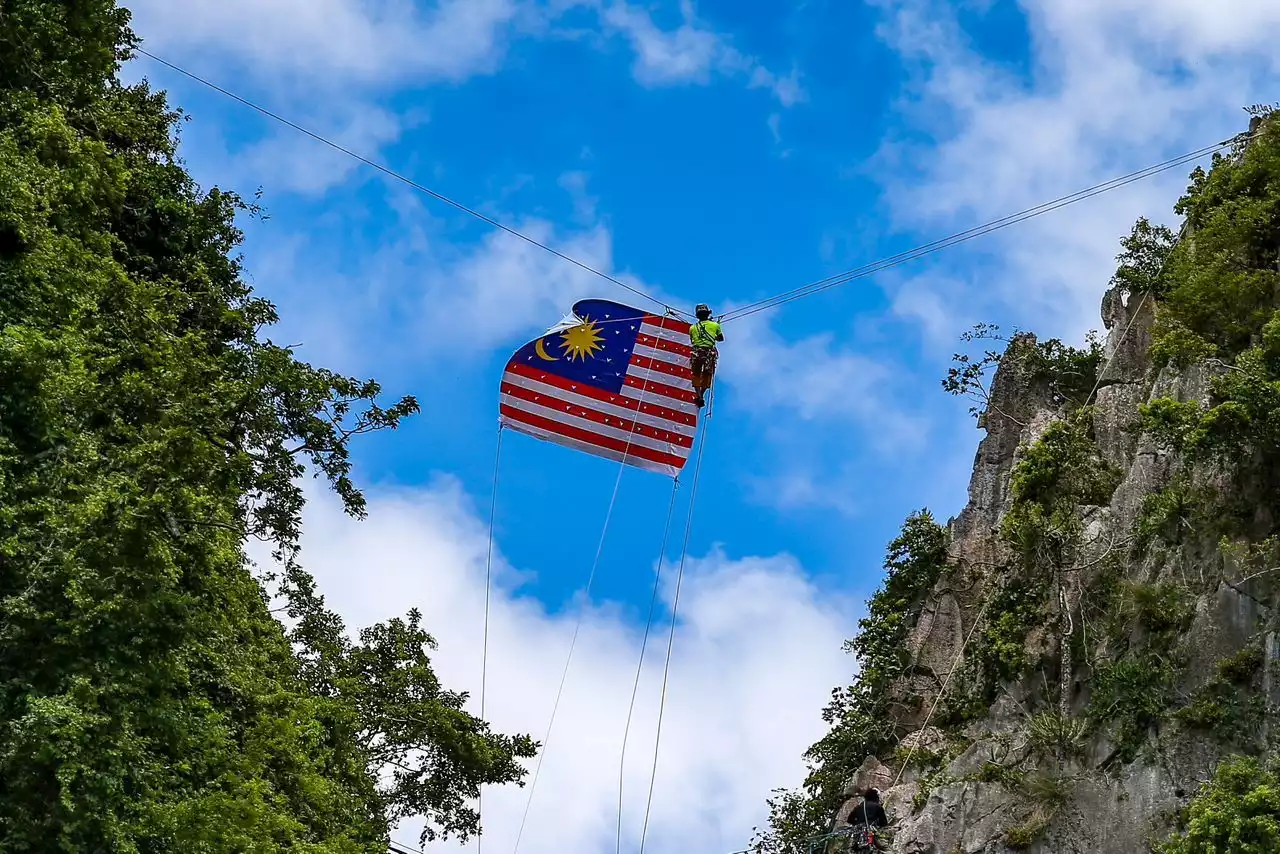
{"points": [[1140, 266], [1221, 282], [1237, 813], [861, 720], [1223, 301], [149, 700]]}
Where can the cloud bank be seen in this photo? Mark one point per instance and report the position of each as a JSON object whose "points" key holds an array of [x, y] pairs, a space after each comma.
{"points": [[757, 650]]}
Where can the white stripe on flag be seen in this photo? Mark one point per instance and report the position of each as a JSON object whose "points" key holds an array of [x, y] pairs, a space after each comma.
{"points": [[569, 419], [662, 355], [607, 453], [585, 402], [654, 397], [655, 331]]}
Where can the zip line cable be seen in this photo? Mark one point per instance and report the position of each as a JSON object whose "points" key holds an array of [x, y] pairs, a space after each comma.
{"points": [[671, 637], [595, 564], [744, 311], [961, 237], [969, 234], [484, 653], [399, 177], [750, 308], [977, 231], [644, 644]]}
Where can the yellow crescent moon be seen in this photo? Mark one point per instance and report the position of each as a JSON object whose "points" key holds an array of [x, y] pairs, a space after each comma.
{"points": [[542, 351]]}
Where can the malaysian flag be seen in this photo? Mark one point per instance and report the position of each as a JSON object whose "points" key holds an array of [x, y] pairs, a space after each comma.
{"points": [[610, 380]]}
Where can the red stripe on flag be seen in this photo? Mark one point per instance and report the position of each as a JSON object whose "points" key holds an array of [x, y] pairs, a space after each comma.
{"points": [[665, 345], [578, 411], [672, 323], [646, 408], [662, 367], [659, 388], [590, 438]]}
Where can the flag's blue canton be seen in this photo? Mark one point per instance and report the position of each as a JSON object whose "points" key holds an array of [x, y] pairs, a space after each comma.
{"points": [[618, 325]]}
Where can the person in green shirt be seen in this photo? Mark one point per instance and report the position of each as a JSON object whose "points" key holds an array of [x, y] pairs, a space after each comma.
{"points": [[703, 336]]}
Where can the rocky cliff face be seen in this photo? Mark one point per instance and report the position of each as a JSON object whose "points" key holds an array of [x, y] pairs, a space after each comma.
{"points": [[1099, 639]]}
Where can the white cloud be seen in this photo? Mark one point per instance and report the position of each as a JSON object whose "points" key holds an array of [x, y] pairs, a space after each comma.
{"points": [[684, 55], [786, 88], [691, 53], [816, 378], [757, 650], [1115, 86], [1191, 30], [798, 488], [315, 42], [919, 300], [584, 204], [506, 288], [289, 162], [312, 43]]}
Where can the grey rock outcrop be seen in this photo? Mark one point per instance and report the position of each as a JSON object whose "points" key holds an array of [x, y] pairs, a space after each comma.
{"points": [[1101, 803]]}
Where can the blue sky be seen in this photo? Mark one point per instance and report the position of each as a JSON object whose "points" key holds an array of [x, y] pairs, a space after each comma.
{"points": [[716, 152]]}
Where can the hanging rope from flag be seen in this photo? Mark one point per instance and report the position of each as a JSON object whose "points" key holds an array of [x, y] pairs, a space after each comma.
{"points": [[615, 382]]}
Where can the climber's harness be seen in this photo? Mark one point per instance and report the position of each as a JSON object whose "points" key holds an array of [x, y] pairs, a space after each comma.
{"points": [[862, 839]]}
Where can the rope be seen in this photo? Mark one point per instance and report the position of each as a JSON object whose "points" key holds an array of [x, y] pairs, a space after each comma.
{"points": [[399, 177], [595, 564], [968, 234], [750, 308], [644, 644], [945, 684], [572, 643], [484, 653], [675, 607]]}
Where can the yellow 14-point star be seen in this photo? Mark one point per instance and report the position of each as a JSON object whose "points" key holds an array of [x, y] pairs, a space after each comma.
{"points": [[582, 341]]}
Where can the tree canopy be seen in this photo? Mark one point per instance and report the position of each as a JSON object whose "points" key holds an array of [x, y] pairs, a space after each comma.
{"points": [[149, 699]]}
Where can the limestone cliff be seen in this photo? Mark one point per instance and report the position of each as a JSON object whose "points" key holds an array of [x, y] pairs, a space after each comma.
{"points": [[1100, 633]]}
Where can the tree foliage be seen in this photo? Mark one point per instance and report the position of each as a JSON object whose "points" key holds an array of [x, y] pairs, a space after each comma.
{"points": [[149, 701], [1144, 254], [859, 715], [1237, 813], [1058, 473], [1068, 374], [1223, 301]]}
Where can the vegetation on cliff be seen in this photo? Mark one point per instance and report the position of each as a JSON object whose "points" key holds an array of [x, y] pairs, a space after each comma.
{"points": [[149, 699], [1092, 634], [860, 715]]}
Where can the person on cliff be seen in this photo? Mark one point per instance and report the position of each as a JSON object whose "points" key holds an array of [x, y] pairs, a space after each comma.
{"points": [[703, 336], [867, 816], [870, 812]]}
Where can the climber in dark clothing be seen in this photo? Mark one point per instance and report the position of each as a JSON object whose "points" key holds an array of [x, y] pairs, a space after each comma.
{"points": [[869, 813]]}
